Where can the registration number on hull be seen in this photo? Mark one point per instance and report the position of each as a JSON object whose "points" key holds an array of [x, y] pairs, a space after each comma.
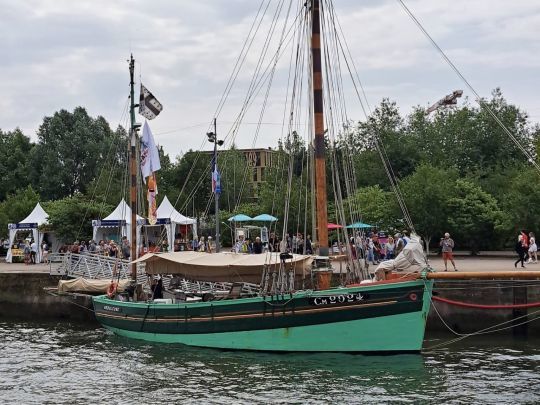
{"points": [[336, 299]]}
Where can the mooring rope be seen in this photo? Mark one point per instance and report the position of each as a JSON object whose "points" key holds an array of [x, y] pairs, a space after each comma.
{"points": [[490, 329], [485, 306]]}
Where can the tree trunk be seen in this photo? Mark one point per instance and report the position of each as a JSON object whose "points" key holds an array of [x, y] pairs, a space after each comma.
{"points": [[427, 240]]}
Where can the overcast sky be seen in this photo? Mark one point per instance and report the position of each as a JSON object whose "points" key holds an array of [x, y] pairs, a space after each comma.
{"points": [[62, 53]]}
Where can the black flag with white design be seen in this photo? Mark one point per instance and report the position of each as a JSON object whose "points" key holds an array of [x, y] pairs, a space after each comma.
{"points": [[149, 107]]}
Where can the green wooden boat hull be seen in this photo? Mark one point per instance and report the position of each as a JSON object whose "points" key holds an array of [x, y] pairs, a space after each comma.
{"points": [[383, 318]]}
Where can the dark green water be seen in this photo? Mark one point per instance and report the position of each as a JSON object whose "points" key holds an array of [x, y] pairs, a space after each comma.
{"points": [[72, 364]]}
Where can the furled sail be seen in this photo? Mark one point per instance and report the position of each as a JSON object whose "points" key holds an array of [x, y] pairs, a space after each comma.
{"points": [[230, 267]]}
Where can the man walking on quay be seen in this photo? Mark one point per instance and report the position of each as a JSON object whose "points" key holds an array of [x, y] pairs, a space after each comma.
{"points": [[447, 245]]}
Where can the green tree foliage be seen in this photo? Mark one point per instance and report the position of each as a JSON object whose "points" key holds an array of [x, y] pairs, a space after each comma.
{"points": [[16, 207], [457, 169], [236, 180], [520, 199], [374, 206], [15, 149], [71, 150], [191, 178], [475, 216], [71, 217], [111, 183], [427, 192], [382, 134]]}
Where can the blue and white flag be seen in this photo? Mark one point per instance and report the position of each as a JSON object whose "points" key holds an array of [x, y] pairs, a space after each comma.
{"points": [[149, 152], [216, 180]]}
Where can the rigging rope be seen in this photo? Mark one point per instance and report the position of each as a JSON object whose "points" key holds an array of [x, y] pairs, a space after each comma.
{"points": [[479, 99]]}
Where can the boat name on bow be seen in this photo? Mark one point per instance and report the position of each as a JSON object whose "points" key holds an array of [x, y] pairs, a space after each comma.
{"points": [[336, 299]]}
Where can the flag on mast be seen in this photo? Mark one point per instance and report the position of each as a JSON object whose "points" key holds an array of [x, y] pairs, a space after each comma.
{"points": [[216, 178], [152, 203], [149, 152], [149, 107]]}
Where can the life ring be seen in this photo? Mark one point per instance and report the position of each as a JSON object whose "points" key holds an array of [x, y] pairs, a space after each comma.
{"points": [[111, 290]]}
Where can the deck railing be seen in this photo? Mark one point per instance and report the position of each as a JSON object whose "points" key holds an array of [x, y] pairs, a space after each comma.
{"points": [[95, 266]]}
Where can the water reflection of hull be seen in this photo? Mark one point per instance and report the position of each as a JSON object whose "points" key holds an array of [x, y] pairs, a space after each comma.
{"points": [[374, 318]]}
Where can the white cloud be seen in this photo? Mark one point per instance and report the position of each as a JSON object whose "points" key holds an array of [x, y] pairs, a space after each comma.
{"points": [[61, 54]]}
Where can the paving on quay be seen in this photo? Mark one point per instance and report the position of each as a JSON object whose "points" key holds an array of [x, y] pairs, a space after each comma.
{"points": [[463, 263]]}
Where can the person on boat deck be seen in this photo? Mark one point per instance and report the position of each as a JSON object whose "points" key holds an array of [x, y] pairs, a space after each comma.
{"points": [[257, 246], [210, 245], [157, 288], [521, 250], [447, 245]]}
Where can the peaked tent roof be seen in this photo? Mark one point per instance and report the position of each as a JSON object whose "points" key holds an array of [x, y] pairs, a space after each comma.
{"points": [[359, 225], [121, 212], [167, 211], [240, 218], [37, 216], [265, 218]]}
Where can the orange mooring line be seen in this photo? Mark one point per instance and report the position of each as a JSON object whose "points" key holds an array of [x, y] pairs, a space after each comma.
{"points": [[485, 306]]}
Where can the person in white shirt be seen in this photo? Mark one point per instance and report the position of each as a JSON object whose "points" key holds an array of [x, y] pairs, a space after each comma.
{"points": [[33, 252]]}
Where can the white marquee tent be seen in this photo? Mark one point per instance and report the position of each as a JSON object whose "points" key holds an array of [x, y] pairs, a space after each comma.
{"points": [[116, 224], [31, 223], [169, 217]]}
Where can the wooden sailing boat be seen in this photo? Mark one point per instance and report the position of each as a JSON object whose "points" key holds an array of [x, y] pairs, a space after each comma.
{"points": [[387, 316]]}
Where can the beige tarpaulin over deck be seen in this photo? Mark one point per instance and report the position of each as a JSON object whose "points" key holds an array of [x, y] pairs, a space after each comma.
{"points": [[227, 267], [91, 286]]}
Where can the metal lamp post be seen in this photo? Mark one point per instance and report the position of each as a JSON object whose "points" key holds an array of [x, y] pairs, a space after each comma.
{"points": [[212, 137]]}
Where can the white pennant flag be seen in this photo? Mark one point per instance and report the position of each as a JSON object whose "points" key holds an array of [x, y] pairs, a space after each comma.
{"points": [[149, 152], [149, 107]]}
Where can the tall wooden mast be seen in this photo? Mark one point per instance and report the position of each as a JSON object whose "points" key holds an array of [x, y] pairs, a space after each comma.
{"points": [[319, 148], [133, 170]]}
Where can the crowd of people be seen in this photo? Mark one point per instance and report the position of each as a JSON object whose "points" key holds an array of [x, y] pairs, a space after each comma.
{"points": [[104, 247]]}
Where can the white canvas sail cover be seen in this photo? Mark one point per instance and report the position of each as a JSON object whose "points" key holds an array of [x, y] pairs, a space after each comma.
{"points": [[91, 286], [410, 259], [226, 266]]}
